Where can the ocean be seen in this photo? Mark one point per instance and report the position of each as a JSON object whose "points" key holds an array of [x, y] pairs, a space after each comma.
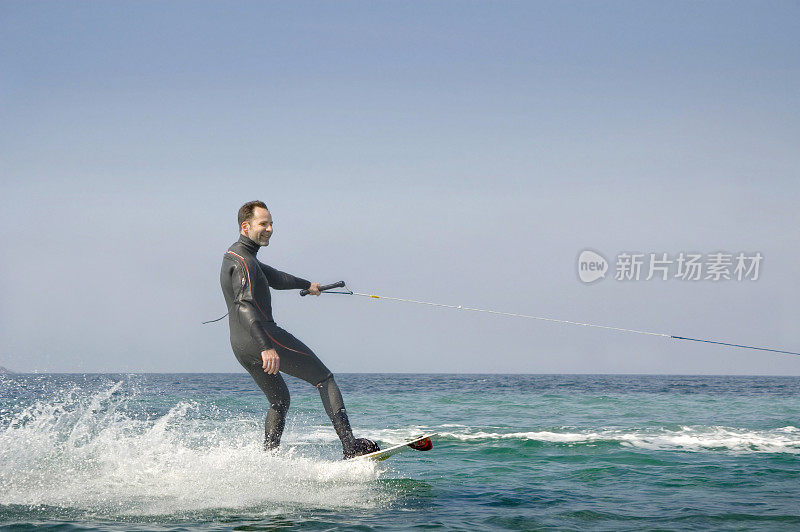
{"points": [[514, 452]]}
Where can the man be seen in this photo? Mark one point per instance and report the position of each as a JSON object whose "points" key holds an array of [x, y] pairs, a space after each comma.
{"points": [[263, 348]]}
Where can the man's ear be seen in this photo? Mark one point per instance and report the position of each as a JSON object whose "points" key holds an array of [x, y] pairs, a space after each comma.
{"points": [[244, 227]]}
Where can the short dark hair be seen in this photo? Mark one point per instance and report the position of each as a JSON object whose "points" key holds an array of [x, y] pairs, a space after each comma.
{"points": [[246, 211]]}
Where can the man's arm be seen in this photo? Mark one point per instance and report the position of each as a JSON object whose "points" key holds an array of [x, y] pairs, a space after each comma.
{"points": [[283, 281]]}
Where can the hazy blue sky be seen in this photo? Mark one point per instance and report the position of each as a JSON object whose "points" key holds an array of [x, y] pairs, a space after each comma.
{"points": [[459, 152]]}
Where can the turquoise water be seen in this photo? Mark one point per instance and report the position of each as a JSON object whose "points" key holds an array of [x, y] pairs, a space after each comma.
{"points": [[519, 452]]}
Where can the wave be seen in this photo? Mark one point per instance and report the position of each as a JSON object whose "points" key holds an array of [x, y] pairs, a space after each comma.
{"points": [[686, 438], [693, 438]]}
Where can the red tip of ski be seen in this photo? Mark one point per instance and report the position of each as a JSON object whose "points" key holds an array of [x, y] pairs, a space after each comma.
{"points": [[422, 445]]}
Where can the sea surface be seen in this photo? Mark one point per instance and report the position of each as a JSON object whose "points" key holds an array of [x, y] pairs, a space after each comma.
{"points": [[514, 452]]}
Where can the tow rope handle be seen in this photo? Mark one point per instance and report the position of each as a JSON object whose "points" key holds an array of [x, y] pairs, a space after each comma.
{"points": [[322, 288]]}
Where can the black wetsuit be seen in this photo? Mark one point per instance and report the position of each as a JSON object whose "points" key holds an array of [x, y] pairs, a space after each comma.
{"points": [[245, 284]]}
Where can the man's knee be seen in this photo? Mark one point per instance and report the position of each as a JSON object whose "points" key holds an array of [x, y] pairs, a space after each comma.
{"points": [[325, 381]]}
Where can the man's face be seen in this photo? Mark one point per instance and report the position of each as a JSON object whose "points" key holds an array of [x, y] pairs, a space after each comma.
{"points": [[259, 229]]}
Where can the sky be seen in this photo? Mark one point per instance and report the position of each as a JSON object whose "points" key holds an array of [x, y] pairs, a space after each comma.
{"points": [[463, 153]]}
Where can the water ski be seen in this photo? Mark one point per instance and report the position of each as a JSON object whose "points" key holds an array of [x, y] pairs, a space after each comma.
{"points": [[423, 443]]}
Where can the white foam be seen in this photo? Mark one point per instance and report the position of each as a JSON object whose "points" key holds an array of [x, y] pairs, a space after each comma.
{"points": [[687, 438], [83, 451]]}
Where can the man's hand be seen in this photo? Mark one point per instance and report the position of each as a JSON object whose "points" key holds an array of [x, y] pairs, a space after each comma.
{"points": [[270, 361], [314, 289]]}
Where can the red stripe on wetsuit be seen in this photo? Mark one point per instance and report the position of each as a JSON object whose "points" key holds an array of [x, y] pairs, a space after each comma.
{"points": [[250, 287]]}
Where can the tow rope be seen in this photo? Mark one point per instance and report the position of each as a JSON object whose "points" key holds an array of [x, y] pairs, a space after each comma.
{"points": [[341, 284]]}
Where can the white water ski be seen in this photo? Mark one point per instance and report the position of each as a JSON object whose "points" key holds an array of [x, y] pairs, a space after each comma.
{"points": [[423, 443]]}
